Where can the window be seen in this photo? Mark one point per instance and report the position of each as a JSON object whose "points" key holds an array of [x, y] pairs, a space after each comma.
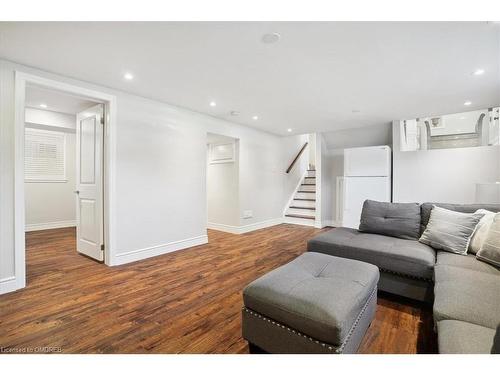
{"points": [[44, 156]]}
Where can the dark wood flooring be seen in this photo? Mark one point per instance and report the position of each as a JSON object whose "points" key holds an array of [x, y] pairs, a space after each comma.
{"points": [[188, 301]]}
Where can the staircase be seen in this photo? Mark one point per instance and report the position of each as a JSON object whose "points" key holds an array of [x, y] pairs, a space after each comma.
{"points": [[302, 208]]}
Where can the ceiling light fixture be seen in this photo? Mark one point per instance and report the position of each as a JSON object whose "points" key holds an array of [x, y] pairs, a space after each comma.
{"points": [[255, 118], [43, 105], [128, 76], [271, 38], [289, 130], [213, 104], [478, 72], [468, 102]]}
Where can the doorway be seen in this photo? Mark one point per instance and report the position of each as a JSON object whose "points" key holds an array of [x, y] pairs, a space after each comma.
{"points": [[64, 169], [222, 183]]}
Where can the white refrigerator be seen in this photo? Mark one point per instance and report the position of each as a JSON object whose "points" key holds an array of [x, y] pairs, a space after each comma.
{"points": [[367, 175]]}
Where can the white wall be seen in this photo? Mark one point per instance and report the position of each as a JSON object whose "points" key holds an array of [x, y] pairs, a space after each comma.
{"points": [[291, 147], [442, 175], [37, 117], [160, 171], [326, 184], [223, 193]]}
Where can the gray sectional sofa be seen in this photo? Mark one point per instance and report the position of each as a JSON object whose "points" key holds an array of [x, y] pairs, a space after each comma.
{"points": [[465, 291]]}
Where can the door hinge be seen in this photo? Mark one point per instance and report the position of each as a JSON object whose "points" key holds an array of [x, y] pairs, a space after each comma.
{"points": [[102, 120], [102, 247]]}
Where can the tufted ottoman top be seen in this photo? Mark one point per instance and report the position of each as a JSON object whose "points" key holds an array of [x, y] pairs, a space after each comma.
{"points": [[317, 294]]}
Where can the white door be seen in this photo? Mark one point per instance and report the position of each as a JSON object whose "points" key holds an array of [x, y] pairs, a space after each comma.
{"points": [[89, 182], [359, 189]]}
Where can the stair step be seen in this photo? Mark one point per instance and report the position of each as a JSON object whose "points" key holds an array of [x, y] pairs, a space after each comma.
{"points": [[308, 184], [310, 177], [311, 170], [303, 208], [304, 199], [306, 191], [300, 216]]}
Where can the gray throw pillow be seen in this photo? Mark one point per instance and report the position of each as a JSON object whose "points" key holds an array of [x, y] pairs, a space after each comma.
{"points": [[490, 250], [400, 220], [450, 230]]}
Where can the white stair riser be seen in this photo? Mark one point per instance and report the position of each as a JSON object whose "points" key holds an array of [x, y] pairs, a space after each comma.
{"points": [[294, 220], [303, 203], [305, 195], [307, 187], [309, 180], [298, 211], [311, 174]]}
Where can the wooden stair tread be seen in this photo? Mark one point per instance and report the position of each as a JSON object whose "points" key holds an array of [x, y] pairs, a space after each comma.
{"points": [[307, 184], [304, 199], [300, 216], [303, 208], [305, 191]]}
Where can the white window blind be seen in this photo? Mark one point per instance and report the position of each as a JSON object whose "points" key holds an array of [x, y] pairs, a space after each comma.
{"points": [[44, 158]]}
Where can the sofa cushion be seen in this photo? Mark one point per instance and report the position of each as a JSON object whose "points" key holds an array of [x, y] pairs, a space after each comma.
{"points": [[456, 337], [481, 231], [400, 220], [450, 230], [466, 295], [426, 208], [468, 261], [316, 294], [490, 250], [407, 257]]}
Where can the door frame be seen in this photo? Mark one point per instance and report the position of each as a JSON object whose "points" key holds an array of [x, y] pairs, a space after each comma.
{"points": [[22, 79]]}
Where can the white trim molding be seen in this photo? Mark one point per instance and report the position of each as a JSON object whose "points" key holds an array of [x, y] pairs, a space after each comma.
{"points": [[50, 225], [245, 228], [8, 284], [110, 102], [152, 251]]}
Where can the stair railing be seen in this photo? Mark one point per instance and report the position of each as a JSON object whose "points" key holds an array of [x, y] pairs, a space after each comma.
{"points": [[297, 157]]}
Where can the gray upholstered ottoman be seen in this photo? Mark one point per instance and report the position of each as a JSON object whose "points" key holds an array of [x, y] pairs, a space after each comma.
{"points": [[317, 303]]}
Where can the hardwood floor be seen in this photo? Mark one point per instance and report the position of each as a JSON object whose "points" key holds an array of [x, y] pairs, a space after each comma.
{"points": [[183, 302]]}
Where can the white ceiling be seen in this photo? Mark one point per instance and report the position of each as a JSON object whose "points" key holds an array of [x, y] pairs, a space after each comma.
{"points": [[311, 80], [55, 101]]}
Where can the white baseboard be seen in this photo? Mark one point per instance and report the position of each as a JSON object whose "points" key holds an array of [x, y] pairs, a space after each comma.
{"points": [[8, 284], [148, 252], [51, 225], [245, 228]]}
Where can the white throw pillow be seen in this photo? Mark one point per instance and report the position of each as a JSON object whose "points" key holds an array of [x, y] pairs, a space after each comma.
{"points": [[481, 231]]}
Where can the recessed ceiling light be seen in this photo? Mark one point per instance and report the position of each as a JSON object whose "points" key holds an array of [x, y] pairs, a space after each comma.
{"points": [[271, 38], [478, 72], [43, 105], [255, 117], [468, 102], [462, 118], [289, 130], [128, 76], [213, 104]]}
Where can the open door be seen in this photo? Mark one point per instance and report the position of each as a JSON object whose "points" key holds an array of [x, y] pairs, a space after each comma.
{"points": [[89, 182]]}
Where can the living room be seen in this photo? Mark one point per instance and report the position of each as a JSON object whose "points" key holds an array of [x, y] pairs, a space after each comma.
{"points": [[294, 187]]}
